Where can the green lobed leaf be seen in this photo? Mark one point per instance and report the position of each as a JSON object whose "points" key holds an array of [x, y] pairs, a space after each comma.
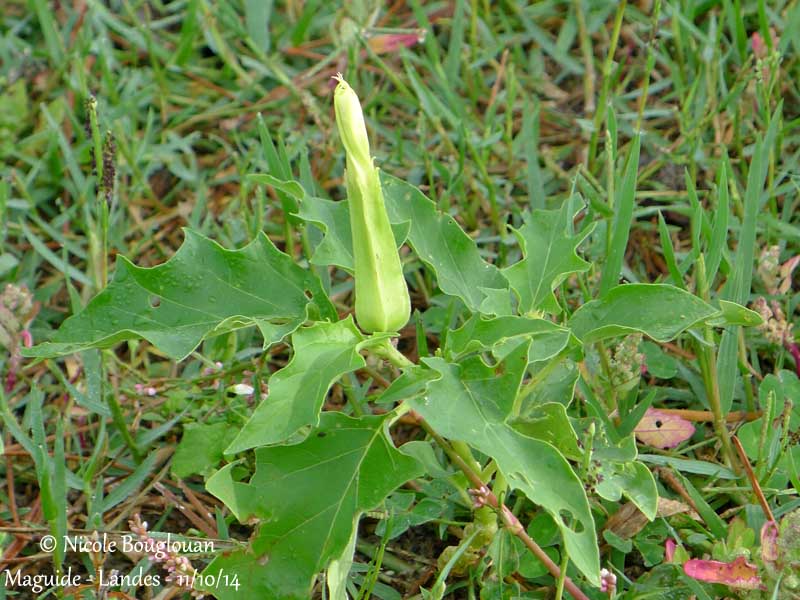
{"points": [[202, 291], [632, 480], [549, 423], [497, 302], [620, 474], [323, 352], [471, 402], [623, 450], [480, 334], [441, 244], [308, 499], [659, 363], [403, 512], [659, 311], [339, 569], [290, 187], [200, 449], [556, 383], [333, 218], [436, 238], [735, 314], [548, 247], [411, 382]]}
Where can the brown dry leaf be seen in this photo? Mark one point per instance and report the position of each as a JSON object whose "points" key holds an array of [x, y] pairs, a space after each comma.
{"points": [[629, 520], [669, 508]]}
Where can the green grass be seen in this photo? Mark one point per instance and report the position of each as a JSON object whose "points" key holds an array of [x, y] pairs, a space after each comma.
{"points": [[683, 144]]}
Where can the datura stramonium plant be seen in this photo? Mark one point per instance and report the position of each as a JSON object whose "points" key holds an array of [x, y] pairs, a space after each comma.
{"points": [[382, 301]]}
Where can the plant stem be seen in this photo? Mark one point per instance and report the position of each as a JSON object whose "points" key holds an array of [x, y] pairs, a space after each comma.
{"points": [[753, 480], [122, 426], [350, 394], [500, 487], [746, 373], [700, 416], [101, 269], [465, 452], [531, 385], [560, 583], [605, 363], [707, 358], [388, 559], [708, 362], [588, 59], [387, 351], [600, 115], [510, 520], [651, 61]]}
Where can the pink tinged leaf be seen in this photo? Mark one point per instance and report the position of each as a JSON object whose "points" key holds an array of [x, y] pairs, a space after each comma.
{"points": [[11, 381], [759, 46], [786, 271], [738, 574], [386, 43], [769, 541], [663, 430], [794, 350], [669, 549]]}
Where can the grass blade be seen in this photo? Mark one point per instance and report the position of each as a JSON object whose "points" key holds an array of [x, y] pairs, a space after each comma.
{"points": [[623, 216]]}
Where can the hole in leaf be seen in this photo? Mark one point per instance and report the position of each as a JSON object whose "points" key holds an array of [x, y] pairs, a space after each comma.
{"points": [[155, 301], [321, 434], [659, 424], [574, 524], [308, 294]]}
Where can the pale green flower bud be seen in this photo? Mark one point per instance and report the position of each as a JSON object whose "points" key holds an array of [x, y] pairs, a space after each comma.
{"points": [[382, 300]]}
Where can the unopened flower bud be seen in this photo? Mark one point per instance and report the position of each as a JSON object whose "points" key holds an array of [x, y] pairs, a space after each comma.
{"points": [[382, 300]]}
